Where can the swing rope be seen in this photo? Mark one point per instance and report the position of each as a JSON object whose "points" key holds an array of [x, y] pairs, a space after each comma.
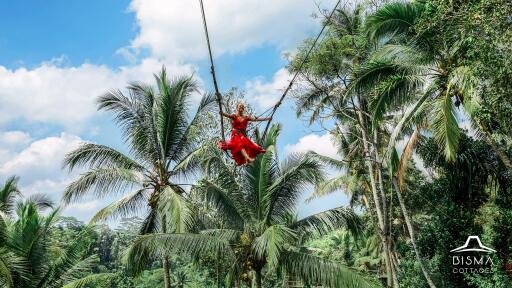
{"points": [[297, 72], [212, 71]]}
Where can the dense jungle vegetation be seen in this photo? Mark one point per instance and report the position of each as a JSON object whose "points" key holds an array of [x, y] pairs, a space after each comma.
{"points": [[415, 94]]}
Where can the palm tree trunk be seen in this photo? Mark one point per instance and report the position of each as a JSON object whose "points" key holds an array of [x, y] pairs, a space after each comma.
{"points": [[381, 182], [167, 278], [258, 278], [165, 260], [217, 269], [375, 196], [410, 229], [383, 199]]}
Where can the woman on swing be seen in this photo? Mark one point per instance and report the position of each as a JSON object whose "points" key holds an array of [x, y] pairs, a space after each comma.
{"points": [[242, 148]]}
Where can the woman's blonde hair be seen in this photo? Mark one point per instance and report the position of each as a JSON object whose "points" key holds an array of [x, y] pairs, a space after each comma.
{"points": [[240, 104]]}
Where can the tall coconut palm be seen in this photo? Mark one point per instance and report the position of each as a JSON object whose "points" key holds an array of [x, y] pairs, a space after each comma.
{"points": [[422, 77], [327, 77], [160, 134], [262, 235]]}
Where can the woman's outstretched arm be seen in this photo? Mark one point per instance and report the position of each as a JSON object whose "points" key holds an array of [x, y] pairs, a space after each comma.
{"points": [[254, 118], [226, 115]]}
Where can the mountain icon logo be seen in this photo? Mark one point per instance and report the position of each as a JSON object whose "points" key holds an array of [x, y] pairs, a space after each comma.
{"points": [[480, 248]]}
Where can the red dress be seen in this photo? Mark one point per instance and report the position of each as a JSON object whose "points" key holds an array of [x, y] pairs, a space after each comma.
{"points": [[239, 141]]}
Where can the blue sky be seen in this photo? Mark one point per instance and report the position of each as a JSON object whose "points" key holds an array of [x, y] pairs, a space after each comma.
{"points": [[57, 56]]}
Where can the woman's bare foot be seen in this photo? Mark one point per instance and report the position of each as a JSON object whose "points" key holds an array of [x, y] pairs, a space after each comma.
{"points": [[246, 156]]}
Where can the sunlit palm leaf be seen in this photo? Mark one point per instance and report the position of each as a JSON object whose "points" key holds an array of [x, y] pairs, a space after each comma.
{"points": [[327, 221], [224, 201], [159, 245], [328, 187], [172, 113], [129, 204], [407, 154], [93, 279], [272, 242], [8, 194], [445, 127], [177, 210], [406, 118], [397, 17], [317, 271], [102, 182], [296, 173], [92, 155]]}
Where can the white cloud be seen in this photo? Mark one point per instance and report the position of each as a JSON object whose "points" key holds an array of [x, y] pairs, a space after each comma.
{"points": [[41, 160], [14, 138], [266, 94], [51, 93], [174, 28], [321, 144], [53, 185]]}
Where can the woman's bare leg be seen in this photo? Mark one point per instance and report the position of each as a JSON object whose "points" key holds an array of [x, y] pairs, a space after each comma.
{"points": [[246, 156]]}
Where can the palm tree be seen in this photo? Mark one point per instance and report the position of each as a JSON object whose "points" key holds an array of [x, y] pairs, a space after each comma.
{"points": [[258, 203], [9, 262], [163, 150], [415, 69], [411, 70], [25, 249], [9, 193], [328, 77]]}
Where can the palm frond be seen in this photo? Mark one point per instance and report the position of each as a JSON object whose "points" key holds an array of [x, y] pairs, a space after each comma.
{"points": [[127, 109], [150, 223], [314, 270], [328, 221], [445, 127], [69, 267], [129, 204], [269, 245], [177, 210], [329, 161], [42, 201], [8, 194], [188, 143], [160, 245], [93, 279], [93, 156], [258, 177], [190, 162], [224, 201], [328, 187], [393, 93], [172, 119], [228, 235], [465, 84], [11, 264], [102, 181], [297, 171], [407, 154], [393, 18], [406, 118]]}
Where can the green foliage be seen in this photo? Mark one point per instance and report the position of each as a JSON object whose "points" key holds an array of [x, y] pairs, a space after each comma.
{"points": [[259, 235], [383, 73]]}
